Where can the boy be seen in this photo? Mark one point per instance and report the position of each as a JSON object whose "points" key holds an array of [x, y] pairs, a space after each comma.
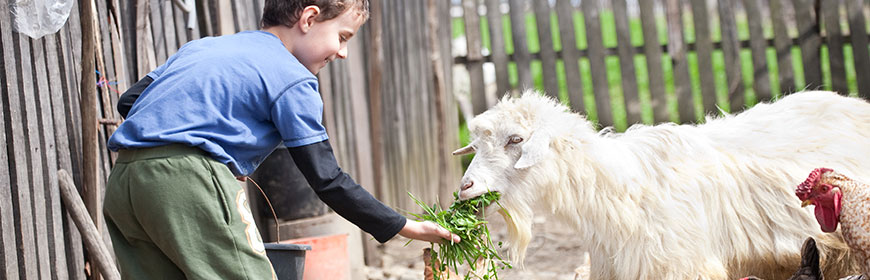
{"points": [[213, 112]]}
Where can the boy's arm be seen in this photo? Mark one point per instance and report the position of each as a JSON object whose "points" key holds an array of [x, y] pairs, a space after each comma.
{"points": [[125, 102], [335, 187]]}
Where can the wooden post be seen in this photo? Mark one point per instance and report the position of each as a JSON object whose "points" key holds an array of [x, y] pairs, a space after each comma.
{"points": [[375, 65], [90, 156], [99, 254]]}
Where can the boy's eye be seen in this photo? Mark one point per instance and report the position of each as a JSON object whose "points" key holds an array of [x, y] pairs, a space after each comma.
{"points": [[342, 38]]}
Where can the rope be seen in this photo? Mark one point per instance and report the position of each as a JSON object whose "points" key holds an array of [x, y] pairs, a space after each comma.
{"points": [[277, 226]]}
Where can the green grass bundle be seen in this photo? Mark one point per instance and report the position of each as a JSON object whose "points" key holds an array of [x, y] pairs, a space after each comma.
{"points": [[462, 219]]}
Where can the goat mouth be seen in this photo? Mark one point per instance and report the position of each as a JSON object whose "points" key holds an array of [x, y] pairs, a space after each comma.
{"points": [[471, 193]]}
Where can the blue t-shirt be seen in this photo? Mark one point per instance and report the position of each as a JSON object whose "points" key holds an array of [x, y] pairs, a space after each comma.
{"points": [[237, 97]]}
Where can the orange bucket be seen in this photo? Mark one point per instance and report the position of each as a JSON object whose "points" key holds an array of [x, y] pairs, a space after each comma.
{"points": [[327, 258]]}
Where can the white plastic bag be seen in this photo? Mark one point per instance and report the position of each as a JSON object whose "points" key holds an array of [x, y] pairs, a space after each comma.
{"points": [[37, 18]]}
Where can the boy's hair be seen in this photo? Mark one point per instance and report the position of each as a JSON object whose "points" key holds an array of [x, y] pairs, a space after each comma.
{"points": [[287, 12]]}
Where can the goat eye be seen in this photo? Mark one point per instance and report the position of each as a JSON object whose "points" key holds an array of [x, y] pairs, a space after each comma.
{"points": [[515, 139]]}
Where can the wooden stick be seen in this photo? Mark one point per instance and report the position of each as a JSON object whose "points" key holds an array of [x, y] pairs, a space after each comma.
{"points": [[90, 145], [99, 254]]}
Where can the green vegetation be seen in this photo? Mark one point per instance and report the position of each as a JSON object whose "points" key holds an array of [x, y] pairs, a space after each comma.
{"points": [[462, 219]]}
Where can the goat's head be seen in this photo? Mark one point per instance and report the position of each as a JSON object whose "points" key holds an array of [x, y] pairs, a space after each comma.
{"points": [[515, 143], [511, 140]]}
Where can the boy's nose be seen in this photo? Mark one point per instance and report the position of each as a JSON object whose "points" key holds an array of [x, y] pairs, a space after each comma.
{"points": [[342, 53]]}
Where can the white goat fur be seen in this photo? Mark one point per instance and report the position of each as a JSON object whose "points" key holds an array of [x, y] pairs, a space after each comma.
{"points": [[709, 201]]}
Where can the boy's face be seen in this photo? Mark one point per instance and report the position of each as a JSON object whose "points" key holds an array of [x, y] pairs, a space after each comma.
{"points": [[326, 40]]}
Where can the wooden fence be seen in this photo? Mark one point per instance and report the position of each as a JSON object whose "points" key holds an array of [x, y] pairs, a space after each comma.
{"points": [[388, 111], [665, 60]]}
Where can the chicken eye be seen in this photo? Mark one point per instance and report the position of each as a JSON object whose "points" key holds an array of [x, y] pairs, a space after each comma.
{"points": [[514, 140]]}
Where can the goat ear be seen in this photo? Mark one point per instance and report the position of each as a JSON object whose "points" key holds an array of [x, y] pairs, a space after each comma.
{"points": [[534, 150]]}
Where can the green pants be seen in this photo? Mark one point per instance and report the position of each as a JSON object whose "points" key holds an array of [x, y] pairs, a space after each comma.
{"points": [[174, 212]]}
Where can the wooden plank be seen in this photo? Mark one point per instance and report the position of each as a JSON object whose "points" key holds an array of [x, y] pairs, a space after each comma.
{"points": [[72, 152], [206, 16], [121, 81], [446, 140], [28, 267], [731, 52], [475, 58], [53, 220], [8, 86], [521, 56], [497, 47], [60, 155], [158, 32], [385, 35], [704, 51], [858, 38], [375, 106], [169, 32], [596, 53], [547, 53], [783, 43], [126, 16], [810, 42], [677, 50], [251, 16], [181, 29], [653, 52], [203, 18], [90, 144], [626, 62], [146, 56], [834, 37], [71, 68], [105, 67], [234, 18], [360, 115], [43, 156], [240, 16], [258, 11], [34, 214], [224, 17], [758, 45], [570, 54], [75, 36], [119, 52], [423, 115], [401, 106], [104, 41], [389, 100]]}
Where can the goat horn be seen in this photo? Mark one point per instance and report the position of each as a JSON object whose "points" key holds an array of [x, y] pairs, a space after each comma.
{"points": [[464, 150]]}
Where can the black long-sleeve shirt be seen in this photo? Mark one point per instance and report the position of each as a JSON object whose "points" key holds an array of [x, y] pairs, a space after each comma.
{"points": [[332, 185]]}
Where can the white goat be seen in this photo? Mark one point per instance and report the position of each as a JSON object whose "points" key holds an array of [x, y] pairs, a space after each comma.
{"points": [[710, 201]]}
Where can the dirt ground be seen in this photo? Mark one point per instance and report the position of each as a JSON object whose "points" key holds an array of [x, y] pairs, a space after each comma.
{"points": [[552, 254]]}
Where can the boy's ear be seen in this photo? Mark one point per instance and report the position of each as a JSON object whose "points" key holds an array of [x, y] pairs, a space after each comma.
{"points": [[308, 17]]}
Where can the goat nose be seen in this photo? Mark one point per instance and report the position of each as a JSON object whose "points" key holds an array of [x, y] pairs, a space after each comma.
{"points": [[467, 185]]}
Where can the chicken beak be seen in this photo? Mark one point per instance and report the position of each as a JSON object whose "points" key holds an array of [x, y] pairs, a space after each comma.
{"points": [[807, 203]]}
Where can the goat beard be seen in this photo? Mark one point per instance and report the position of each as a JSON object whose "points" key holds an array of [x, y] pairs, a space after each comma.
{"points": [[518, 217]]}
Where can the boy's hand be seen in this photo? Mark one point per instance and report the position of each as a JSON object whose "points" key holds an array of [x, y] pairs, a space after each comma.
{"points": [[427, 231]]}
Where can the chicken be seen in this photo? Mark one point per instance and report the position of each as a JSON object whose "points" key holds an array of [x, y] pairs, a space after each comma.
{"points": [[840, 200]]}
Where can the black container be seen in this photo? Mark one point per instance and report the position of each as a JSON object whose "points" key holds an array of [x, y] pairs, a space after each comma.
{"points": [[288, 260], [289, 192]]}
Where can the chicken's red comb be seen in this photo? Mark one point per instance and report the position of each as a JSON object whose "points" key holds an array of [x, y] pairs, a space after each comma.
{"points": [[803, 190]]}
